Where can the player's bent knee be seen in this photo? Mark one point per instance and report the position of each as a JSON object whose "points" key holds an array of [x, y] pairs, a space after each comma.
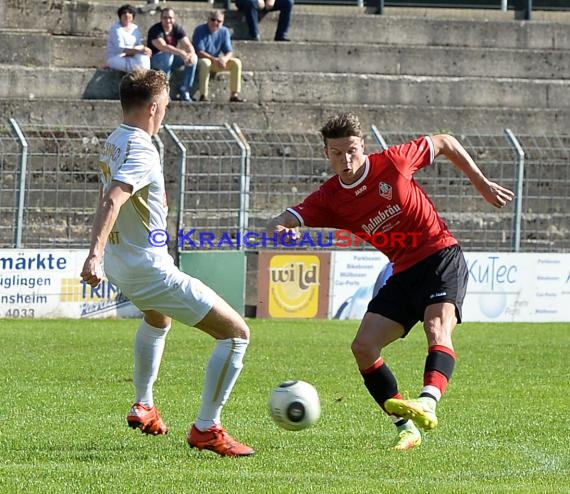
{"points": [[237, 327], [156, 319], [223, 322], [362, 350]]}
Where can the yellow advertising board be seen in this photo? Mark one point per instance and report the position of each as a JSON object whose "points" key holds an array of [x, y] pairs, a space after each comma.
{"points": [[293, 285]]}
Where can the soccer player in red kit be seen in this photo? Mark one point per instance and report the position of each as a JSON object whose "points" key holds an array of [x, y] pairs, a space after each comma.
{"points": [[376, 197]]}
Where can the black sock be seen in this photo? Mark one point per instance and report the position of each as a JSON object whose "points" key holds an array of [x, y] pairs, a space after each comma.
{"points": [[380, 382]]}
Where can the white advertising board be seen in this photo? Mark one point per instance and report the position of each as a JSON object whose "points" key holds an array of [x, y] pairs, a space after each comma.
{"points": [[517, 287], [354, 276], [502, 287], [46, 283]]}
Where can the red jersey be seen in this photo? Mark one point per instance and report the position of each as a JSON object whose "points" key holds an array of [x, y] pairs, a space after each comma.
{"points": [[385, 203]]}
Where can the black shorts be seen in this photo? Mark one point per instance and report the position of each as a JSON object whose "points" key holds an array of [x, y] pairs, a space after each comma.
{"points": [[441, 277]]}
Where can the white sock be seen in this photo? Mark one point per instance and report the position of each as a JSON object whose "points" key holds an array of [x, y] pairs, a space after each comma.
{"points": [[408, 425], [149, 345], [222, 372], [433, 398]]}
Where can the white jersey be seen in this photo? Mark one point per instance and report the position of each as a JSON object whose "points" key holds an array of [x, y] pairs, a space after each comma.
{"points": [[130, 157], [120, 38]]}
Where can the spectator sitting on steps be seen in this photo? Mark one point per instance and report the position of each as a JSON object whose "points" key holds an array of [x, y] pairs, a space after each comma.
{"points": [[254, 9], [125, 51], [171, 49], [214, 47]]}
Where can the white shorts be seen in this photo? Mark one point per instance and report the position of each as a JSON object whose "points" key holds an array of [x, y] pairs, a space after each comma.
{"points": [[129, 64], [172, 293]]}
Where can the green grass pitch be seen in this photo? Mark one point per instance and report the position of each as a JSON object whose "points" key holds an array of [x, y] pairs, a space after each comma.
{"points": [[66, 388]]}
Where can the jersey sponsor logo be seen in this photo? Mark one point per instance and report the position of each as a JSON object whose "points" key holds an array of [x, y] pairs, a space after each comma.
{"points": [[385, 190], [362, 189], [382, 217]]}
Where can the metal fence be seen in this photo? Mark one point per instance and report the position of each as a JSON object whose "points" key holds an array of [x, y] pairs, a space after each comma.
{"points": [[545, 197], [479, 226], [213, 178], [222, 180], [60, 186], [10, 168]]}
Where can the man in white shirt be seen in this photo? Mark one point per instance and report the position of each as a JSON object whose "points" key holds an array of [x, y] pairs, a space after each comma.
{"points": [[125, 50], [133, 203]]}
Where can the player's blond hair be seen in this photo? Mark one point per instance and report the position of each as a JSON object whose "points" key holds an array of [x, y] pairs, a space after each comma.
{"points": [[341, 125], [141, 87]]}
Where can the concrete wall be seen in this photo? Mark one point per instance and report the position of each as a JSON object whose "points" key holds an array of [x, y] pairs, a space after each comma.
{"points": [[78, 51], [32, 48], [82, 18], [404, 72], [288, 87], [300, 116]]}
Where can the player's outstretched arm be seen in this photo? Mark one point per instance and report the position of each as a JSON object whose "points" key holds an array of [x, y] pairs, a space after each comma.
{"points": [[492, 192], [284, 223], [105, 217]]}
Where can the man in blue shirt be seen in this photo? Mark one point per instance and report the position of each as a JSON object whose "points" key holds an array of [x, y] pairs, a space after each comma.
{"points": [[214, 48]]}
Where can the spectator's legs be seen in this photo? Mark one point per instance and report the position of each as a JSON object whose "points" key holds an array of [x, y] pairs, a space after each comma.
{"points": [[285, 8], [117, 62], [129, 64], [162, 61], [188, 77], [234, 66], [250, 10], [140, 61], [204, 68], [188, 80]]}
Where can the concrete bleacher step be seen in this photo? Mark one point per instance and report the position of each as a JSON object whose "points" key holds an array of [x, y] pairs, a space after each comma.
{"points": [[78, 51], [298, 117], [39, 82], [83, 18], [25, 47], [410, 90]]}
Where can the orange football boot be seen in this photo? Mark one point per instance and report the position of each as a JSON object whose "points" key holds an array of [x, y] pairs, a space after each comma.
{"points": [[147, 419], [216, 439]]}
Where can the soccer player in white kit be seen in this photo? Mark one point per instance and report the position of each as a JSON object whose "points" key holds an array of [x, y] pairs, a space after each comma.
{"points": [[133, 203]]}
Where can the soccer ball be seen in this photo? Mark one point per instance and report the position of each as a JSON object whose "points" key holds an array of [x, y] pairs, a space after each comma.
{"points": [[295, 405]]}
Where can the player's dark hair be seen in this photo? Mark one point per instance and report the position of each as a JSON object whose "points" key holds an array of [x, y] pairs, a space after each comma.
{"points": [[341, 125], [126, 9], [141, 87]]}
